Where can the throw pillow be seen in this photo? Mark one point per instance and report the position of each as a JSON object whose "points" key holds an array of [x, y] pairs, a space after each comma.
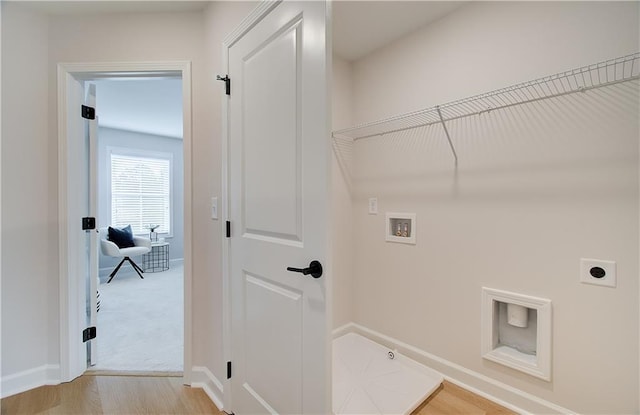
{"points": [[121, 237]]}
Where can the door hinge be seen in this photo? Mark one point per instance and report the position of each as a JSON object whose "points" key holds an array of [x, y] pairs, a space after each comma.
{"points": [[88, 112], [227, 83], [228, 370], [88, 334], [228, 229], [88, 223]]}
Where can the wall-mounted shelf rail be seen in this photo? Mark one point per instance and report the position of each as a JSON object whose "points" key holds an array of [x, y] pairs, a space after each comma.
{"points": [[582, 79]]}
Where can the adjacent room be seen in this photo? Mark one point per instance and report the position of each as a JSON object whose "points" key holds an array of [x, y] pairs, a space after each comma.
{"points": [[140, 180], [485, 198]]}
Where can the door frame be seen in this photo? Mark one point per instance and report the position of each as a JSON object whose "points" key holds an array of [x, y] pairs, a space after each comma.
{"points": [[72, 298], [247, 24]]}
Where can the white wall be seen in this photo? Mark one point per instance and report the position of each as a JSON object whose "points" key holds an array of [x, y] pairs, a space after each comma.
{"points": [[486, 46], [120, 38], [28, 277], [220, 19], [34, 45], [341, 209], [501, 193], [538, 187]]}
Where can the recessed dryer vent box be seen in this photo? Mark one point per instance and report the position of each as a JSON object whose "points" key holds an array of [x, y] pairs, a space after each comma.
{"points": [[401, 227], [516, 331]]}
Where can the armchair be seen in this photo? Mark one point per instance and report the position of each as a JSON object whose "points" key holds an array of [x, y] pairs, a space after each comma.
{"points": [[110, 248]]}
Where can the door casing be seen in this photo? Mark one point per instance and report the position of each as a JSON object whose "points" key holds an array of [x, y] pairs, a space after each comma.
{"points": [[72, 298]]}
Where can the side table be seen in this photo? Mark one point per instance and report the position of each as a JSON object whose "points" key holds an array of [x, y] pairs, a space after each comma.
{"points": [[158, 259]]}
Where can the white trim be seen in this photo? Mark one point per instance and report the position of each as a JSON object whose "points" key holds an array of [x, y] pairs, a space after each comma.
{"points": [[638, 276], [30, 379], [102, 70], [245, 25], [187, 140], [188, 220], [176, 262], [342, 330], [227, 353], [0, 192], [512, 398], [202, 378], [69, 318]]}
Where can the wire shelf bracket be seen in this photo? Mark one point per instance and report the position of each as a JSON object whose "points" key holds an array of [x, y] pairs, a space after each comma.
{"points": [[583, 79], [446, 132]]}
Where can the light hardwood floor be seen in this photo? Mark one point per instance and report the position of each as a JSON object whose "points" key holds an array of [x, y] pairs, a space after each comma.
{"points": [[89, 395], [452, 399], [133, 395]]}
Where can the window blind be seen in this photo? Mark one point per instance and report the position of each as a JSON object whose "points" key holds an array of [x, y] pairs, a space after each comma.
{"points": [[140, 193]]}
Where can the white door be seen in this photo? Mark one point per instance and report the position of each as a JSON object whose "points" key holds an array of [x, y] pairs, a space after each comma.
{"points": [[76, 207], [278, 203], [91, 151], [81, 245]]}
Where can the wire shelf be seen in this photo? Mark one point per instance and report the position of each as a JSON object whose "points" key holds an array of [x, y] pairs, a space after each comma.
{"points": [[582, 79]]}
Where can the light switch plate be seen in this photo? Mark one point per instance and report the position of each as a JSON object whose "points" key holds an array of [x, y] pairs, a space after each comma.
{"points": [[373, 205], [598, 272], [214, 208]]}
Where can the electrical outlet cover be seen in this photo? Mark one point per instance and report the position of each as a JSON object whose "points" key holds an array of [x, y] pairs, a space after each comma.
{"points": [[598, 272]]}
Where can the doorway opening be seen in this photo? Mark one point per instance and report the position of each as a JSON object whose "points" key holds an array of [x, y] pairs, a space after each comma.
{"points": [[139, 184], [78, 305]]}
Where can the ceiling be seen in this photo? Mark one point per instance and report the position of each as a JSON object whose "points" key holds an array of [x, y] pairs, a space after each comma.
{"points": [[84, 7], [155, 106], [151, 106], [360, 27]]}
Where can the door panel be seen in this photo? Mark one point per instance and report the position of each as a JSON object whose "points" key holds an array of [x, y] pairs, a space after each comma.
{"points": [[273, 308], [278, 190], [92, 236], [77, 207], [272, 138]]}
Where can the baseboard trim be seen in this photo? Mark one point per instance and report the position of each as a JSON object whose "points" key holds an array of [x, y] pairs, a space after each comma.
{"points": [[134, 373], [515, 399], [176, 262], [342, 330], [29, 379], [201, 377]]}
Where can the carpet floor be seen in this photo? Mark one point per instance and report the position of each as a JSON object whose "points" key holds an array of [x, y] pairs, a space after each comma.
{"points": [[140, 322]]}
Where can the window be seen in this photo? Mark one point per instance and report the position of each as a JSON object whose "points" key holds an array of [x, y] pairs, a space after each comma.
{"points": [[141, 191]]}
